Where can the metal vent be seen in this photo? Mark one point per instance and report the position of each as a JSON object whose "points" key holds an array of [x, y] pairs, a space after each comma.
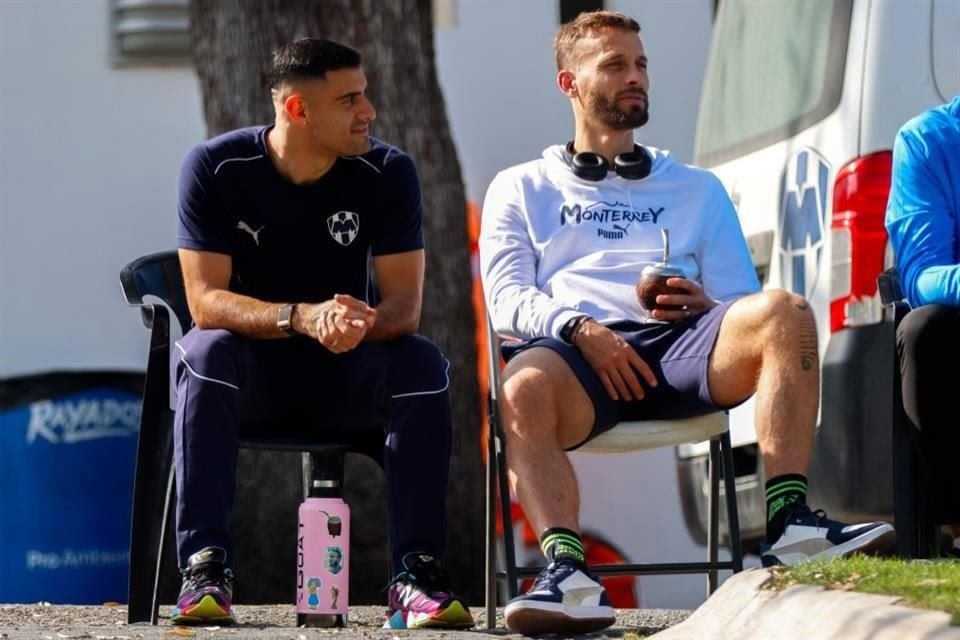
{"points": [[150, 31]]}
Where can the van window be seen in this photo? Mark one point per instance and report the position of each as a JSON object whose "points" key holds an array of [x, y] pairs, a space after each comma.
{"points": [[946, 48], [775, 68]]}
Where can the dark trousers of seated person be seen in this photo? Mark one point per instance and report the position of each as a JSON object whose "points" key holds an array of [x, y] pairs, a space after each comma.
{"points": [[229, 385], [928, 343]]}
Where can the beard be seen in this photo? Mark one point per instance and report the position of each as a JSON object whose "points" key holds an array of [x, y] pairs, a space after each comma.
{"points": [[610, 114], [359, 147], [351, 145]]}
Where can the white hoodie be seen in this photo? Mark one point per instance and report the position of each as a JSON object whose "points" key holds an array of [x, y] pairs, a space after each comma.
{"points": [[554, 246]]}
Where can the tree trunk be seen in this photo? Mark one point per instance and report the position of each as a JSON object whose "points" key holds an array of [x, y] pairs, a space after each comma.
{"points": [[233, 42]]}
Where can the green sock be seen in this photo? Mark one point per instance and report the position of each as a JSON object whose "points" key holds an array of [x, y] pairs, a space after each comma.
{"points": [[782, 492], [557, 542]]}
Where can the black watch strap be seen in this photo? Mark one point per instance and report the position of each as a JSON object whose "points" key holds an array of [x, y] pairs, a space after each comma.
{"points": [[569, 328]]}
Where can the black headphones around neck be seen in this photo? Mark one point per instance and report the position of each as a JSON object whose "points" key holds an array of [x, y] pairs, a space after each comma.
{"points": [[633, 165]]}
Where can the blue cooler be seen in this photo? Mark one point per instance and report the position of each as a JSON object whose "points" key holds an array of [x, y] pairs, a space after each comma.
{"points": [[66, 481]]}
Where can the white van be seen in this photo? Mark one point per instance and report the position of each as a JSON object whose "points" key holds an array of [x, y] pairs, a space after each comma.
{"points": [[801, 103]]}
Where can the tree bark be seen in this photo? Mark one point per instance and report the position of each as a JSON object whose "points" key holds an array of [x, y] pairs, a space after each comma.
{"points": [[233, 43]]}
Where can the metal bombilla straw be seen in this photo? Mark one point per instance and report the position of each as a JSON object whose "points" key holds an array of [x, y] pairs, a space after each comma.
{"points": [[666, 245]]}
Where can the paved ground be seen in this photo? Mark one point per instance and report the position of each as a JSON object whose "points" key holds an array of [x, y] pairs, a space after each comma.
{"points": [[62, 622]]}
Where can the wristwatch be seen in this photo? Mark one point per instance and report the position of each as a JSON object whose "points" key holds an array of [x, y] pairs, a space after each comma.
{"points": [[283, 319], [570, 327]]}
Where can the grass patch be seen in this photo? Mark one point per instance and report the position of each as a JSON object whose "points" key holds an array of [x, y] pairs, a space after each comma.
{"points": [[925, 584]]}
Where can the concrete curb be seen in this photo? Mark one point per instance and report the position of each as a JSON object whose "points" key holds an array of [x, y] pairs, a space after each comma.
{"points": [[743, 609]]}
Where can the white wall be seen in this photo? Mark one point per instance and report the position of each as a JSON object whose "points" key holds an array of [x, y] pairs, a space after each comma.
{"points": [[88, 162]]}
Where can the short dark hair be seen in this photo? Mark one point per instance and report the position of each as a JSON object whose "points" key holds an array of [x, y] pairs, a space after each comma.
{"points": [[584, 25], [310, 58]]}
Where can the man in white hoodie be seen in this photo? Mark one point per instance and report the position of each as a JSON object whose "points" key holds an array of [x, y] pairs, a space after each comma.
{"points": [[562, 245]]}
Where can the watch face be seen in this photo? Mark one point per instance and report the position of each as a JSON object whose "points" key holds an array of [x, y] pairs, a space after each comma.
{"points": [[283, 319]]}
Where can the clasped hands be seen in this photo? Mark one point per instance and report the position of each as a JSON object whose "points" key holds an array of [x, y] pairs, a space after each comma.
{"points": [[339, 324], [619, 367]]}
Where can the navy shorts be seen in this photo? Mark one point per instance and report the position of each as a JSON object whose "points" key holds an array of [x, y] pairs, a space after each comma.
{"points": [[678, 353]]}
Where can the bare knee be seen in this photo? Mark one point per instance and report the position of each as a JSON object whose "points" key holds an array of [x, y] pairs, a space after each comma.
{"points": [[775, 311], [527, 390], [541, 398], [784, 321], [778, 307]]}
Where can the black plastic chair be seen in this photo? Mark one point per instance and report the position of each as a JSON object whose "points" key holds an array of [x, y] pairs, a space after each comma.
{"points": [[918, 532], [158, 275], [625, 437]]}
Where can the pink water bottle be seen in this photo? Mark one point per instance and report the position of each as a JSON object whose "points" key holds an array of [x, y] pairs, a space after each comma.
{"points": [[323, 555]]}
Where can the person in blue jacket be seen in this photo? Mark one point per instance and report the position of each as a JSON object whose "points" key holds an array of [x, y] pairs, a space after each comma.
{"points": [[923, 221]]}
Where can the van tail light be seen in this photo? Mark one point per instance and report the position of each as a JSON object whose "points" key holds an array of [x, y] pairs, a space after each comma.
{"points": [[858, 240]]}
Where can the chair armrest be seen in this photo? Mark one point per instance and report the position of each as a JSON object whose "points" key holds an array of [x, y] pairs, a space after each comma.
{"points": [[891, 295], [891, 292], [149, 311], [156, 275]]}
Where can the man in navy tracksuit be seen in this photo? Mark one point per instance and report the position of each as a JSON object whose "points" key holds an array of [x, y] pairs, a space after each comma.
{"points": [[279, 227]]}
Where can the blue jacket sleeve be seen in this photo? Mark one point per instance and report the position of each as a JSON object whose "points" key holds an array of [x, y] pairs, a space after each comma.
{"points": [[921, 224]]}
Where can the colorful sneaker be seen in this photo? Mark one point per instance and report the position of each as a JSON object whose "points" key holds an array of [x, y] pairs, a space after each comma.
{"points": [[809, 535], [420, 597], [564, 599], [207, 591]]}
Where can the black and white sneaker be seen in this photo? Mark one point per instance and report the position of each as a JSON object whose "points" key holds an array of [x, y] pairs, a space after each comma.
{"points": [[809, 535], [565, 599]]}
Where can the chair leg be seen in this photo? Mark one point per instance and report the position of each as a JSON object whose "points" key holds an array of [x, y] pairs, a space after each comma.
{"points": [[917, 533], [306, 472], [154, 450], [144, 544], [927, 528], [491, 581], [161, 565], [509, 552], [905, 490], [713, 505], [149, 506], [733, 518]]}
